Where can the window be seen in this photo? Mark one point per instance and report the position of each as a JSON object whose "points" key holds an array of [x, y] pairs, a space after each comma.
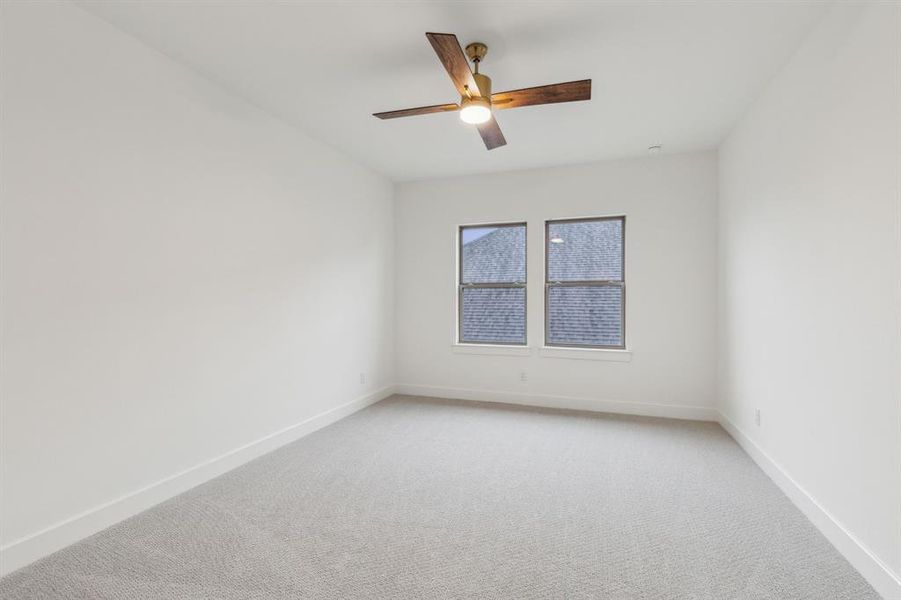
{"points": [[584, 283], [492, 284]]}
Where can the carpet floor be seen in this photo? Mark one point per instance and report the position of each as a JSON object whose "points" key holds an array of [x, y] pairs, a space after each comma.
{"points": [[417, 498]]}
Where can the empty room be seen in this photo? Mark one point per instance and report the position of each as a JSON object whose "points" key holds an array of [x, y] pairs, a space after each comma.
{"points": [[450, 299]]}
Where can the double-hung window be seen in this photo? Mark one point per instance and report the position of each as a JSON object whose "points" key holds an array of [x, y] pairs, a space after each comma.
{"points": [[584, 283], [491, 294]]}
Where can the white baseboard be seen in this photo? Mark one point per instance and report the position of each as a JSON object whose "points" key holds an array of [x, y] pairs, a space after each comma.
{"points": [[671, 411], [876, 572], [25, 550], [28, 549]]}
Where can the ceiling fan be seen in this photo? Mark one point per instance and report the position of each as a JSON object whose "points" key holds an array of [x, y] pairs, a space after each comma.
{"points": [[476, 99]]}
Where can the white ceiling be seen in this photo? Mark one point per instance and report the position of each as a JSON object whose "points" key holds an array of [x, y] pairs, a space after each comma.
{"points": [[677, 73]]}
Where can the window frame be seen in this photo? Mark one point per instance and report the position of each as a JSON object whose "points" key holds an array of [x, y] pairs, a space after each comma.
{"points": [[516, 285], [548, 284]]}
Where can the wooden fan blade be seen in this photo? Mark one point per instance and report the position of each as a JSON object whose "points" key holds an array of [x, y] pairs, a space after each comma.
{"points": [[491, 134], [451, 56], [543, 94], [412, 112]]}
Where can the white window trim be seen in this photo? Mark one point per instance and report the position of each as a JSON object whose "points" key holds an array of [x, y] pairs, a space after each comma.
{"points": [[605, 354], [608, 354], [616, 354], [555, 352], [491, 349], [498, 349]]}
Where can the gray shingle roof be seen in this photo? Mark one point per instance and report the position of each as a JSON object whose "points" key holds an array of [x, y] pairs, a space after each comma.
{"points": [[495, 315], [585, 315], [590, 250], [497, 257]]}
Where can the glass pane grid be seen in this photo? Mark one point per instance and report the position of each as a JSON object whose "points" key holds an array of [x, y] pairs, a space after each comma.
{"points": [[493, 315], [492, 296], [585, 316], [585, 287], [585, 250], [494, 254]]}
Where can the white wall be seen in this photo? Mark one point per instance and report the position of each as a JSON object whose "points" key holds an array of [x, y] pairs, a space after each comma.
{"points": [[810, 263], [669, 203], [182, 274]]}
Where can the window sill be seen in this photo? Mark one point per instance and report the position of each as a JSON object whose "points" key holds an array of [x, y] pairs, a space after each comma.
{"points": [[492, 350], [586, 353]]}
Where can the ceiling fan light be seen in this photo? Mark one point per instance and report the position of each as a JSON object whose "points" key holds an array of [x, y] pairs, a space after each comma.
{"points": [[475, 110]]}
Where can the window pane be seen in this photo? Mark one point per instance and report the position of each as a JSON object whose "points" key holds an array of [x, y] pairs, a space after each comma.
{"points": [[493, 254], [585, 316], [494, 315], [585, 250]]}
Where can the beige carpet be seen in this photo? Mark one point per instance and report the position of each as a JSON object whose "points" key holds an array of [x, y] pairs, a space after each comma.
{"points": [[416, 498]]}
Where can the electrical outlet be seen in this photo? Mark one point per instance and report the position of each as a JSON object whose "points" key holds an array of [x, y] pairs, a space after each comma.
{"points": [[757, 417], [362, 378], [523, 376]]}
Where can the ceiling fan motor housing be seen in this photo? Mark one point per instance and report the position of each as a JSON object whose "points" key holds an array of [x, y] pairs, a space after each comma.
{"points": [[480, 97], [484, 83]]}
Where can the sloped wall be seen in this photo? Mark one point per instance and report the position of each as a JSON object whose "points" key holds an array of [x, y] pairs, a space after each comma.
{"points": [[810, 277], [183, 275]]}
